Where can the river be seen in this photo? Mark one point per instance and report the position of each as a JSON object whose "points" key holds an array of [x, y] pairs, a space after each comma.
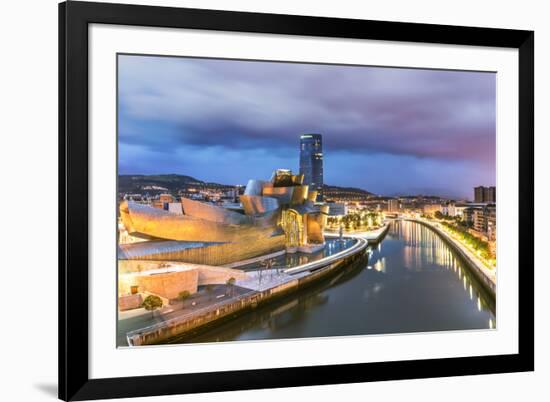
{"points": [[410, 282]]}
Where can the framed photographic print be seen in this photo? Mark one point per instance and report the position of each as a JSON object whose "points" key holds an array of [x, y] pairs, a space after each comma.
{"points": [[257, 200]]}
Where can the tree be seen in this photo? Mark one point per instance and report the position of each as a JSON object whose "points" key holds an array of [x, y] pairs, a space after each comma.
{"points": [[182, 296], [347, 220], [151, 303], [231, 283]]}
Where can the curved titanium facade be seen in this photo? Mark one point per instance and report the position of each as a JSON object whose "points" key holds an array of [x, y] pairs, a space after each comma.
{"points": [[256, 204], [143, 219], [218, 214], [255, 187], [277, 214]]}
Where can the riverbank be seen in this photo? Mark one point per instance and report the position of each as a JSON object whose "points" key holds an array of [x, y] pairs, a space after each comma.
{"points": [[486, 276], [264, 286]]}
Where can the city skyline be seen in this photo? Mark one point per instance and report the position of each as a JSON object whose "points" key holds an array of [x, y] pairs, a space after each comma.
{"points": [[386, 130]]}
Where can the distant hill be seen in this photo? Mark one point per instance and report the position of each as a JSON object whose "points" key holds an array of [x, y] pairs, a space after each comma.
{"points": [[174, 182], [328, 187], [348, 192], [159, 183]]}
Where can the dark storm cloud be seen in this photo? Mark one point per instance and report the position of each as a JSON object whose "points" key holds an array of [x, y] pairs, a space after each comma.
{"points": [[170, 104]]}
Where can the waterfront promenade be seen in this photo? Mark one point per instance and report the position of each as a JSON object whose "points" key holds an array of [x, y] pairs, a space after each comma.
{"points": [[257, 287]]}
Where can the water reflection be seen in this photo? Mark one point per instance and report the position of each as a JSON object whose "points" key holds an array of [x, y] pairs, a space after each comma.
{"points": [[424, 248], [333, 246], [410, 282]]}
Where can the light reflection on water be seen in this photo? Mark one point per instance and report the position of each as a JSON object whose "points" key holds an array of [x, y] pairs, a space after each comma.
{"points": [[289, 260], [415, 283]]}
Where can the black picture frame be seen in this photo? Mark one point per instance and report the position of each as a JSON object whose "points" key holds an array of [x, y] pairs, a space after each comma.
{"points": [[74, 18]]}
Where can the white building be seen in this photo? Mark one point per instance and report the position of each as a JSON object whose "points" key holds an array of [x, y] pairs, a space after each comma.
{"points": [[449, 209]]}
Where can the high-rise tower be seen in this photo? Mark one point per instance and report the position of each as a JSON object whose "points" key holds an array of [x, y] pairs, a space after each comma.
{"points": [[485, 194], [311, 162], [478, 194]]}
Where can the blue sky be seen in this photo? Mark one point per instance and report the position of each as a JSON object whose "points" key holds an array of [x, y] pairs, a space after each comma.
{"points": [[386, 130]]}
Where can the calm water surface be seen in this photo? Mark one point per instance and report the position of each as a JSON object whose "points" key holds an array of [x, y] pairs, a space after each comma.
{"points": [[410, 282], [332, 246]]}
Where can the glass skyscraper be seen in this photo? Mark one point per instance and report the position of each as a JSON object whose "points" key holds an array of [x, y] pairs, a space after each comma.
{"points": [[311, 162]]}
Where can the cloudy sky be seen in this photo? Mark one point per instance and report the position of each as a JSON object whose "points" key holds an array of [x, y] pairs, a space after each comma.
{"points": [[386, 130]]}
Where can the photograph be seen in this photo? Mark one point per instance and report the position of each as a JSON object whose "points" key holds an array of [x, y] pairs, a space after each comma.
{"points": [[241, 201], [264, 200]]}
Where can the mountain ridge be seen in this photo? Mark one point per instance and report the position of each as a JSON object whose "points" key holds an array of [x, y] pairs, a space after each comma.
{"points": [[173, 182]]}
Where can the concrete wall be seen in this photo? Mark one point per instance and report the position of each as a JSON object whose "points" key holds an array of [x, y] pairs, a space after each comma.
{"points": [[129, 302], [170, 284], [127, 266], [218, 275], [148, 276]]}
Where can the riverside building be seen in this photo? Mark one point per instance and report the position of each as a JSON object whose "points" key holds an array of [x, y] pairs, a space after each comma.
{"points": [[276, 215]]}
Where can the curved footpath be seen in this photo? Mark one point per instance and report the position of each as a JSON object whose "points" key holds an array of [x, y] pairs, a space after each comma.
{"points": [[486, 276]]}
